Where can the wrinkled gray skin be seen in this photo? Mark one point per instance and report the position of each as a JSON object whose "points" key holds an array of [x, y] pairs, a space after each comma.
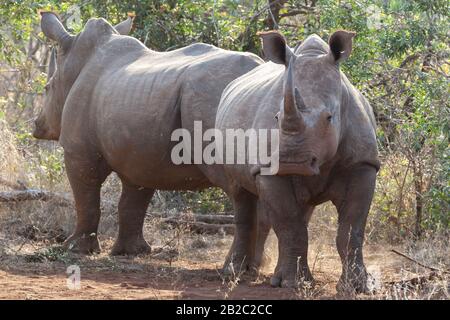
{"points": [[113, 105], [327, 152]]}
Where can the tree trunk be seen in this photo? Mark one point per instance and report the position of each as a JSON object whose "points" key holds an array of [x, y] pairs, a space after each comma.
{"points": [[418, 176], [419, 201], [273, 16]]}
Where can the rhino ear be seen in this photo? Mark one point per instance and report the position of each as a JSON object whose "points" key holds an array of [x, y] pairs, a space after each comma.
{"points": [[53, 29], [341, 43], [124, 27], [275, 48]]}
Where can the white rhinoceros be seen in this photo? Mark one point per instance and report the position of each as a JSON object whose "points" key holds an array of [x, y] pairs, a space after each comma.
{"points": [[113, 104], [327, 150]]}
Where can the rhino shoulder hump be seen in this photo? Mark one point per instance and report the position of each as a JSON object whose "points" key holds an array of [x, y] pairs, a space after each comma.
{"points": [[199, 47]]}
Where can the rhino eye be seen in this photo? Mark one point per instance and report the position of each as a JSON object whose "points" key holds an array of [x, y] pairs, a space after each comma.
{"points": [[277, 116], [329, 118]]}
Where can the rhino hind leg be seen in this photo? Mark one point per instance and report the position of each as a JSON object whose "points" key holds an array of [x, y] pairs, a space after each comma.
{"points": [[261, 259], [353, 207], [240, 258], [133, 205], [86, 177]]}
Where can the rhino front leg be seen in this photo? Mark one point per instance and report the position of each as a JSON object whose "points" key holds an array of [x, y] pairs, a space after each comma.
{"points": [[292, 267], [241, 255], [86, 177], [290, 226], [353, 207], [132, 207]]}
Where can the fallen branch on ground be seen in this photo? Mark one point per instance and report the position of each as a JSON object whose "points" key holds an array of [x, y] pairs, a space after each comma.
{"points": [[417, 281], [214, 218], [198, 217], [13, 185], [26, 195], [201, 223], [201, 227], [418, 263]]}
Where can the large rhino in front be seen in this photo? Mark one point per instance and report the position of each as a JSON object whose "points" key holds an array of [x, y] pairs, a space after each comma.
{"points": [[327, 150], [113, 105]]}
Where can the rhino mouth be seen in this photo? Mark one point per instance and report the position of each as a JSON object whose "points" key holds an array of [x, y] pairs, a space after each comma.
{"points": [[38, 133], [305, 168], [44, 134], [289, 168]]}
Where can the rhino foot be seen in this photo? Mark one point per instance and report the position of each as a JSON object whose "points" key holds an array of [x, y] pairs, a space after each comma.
{"points": [[355, 282], [292, 279], [83, 243], [130, 247], [235, 268]]}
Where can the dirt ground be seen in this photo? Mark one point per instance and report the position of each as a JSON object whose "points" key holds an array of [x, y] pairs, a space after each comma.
{"points": [[30, 270]]}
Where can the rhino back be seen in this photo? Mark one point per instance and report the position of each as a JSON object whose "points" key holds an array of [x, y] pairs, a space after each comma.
{"points": [[206, 80], [201, 96], [126, 103]]}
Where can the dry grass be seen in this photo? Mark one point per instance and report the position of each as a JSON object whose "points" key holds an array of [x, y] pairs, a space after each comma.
{"points": [[10, 160]]}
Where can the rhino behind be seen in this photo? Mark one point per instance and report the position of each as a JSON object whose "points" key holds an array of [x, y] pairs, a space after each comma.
{"points": [[113, 104]]}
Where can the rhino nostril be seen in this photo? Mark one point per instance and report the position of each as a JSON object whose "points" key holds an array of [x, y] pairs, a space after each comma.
{"points": [[313, 161]]}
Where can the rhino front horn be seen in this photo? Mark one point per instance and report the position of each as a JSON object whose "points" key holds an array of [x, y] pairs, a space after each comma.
{"points": [[53, 29], [292, 120], [290, 108]]}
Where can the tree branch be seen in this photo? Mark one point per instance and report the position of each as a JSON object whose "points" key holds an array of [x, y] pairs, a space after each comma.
{"points": [[29, 194], [418, 263], [201, 227]]}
